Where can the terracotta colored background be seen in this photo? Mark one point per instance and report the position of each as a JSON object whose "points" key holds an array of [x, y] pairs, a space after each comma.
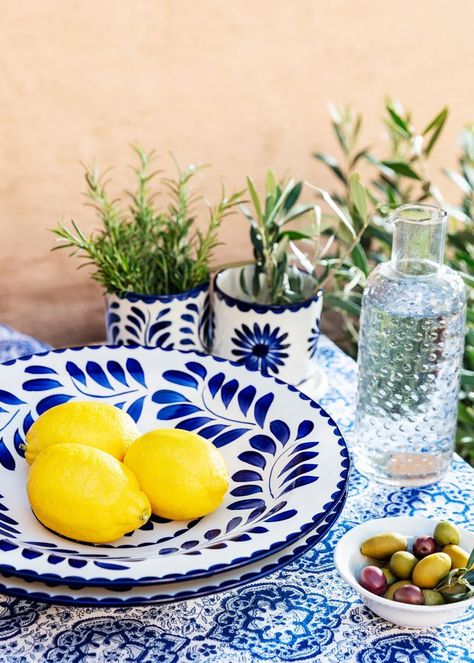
{"points": [[240, 84]]}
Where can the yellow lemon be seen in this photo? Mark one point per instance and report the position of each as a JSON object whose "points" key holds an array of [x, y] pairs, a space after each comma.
{"points": [[85, 494], [183, 475], [99, 425]]}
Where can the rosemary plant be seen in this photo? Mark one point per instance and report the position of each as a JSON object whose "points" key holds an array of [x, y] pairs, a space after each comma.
{"points": [[142, 249]]}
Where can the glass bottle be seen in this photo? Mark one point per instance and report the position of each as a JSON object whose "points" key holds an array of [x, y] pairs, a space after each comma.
{"points": [[410, 354]]}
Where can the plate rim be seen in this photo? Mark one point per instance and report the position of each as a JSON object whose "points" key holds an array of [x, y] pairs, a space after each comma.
{"points": [[253, 576], [215, 569]]}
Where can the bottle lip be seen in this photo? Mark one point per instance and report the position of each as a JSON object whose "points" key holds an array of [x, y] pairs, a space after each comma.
{"points": [[427, 214]]}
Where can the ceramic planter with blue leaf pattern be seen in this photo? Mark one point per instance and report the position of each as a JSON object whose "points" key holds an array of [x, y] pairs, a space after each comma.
{"points": [[179, 321], [277, 340]]}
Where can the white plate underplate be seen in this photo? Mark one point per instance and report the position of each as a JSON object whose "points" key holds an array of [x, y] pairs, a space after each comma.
{"points": [[286, 458], [168, 593]]}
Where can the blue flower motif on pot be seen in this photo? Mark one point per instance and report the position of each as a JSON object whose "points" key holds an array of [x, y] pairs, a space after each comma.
{"points": [[278, 340], [260, 349], [313, 339], [179, 321]]}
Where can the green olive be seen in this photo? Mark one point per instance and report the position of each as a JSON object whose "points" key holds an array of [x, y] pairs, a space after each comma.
{"points": [[393, 588], [446, 533], [432, 597], [459, 557], [429, 570], [402, 564], [388, 575], [382, 546]]}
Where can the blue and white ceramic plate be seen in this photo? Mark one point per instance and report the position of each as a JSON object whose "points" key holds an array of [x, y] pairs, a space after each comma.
{"points": [[286, 458], [171, 592]]}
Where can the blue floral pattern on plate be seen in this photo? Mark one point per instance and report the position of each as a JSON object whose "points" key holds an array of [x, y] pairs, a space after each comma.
{"points": [[76, 594], [193, 630], [273, 462]]}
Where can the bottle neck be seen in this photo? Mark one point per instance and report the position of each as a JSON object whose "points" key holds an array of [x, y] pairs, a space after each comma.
{"points": [[418, 239]]}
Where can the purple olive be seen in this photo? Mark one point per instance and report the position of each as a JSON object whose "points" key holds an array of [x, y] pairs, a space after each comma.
{"points": [[424, 546], [409, 594], [373, 580]]}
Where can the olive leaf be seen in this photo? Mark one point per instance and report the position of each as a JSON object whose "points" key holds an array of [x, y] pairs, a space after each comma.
{"points": [[285, 272], [400, 175], [458, 584], [436, 125], [470, 561], [359, 195], [401, 168]]}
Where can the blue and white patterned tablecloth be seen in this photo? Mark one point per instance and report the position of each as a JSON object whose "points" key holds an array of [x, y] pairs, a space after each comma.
{"points": [[301, 613]]}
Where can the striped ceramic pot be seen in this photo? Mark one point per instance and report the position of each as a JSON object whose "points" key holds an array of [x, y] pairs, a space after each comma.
{"points": [[180, 321], [276, 340]]}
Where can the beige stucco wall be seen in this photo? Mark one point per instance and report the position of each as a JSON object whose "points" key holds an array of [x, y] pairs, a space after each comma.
{"points": [[242, 84]]}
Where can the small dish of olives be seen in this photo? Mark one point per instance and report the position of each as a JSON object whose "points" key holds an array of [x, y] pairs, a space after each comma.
{"points": [[405, 569]]}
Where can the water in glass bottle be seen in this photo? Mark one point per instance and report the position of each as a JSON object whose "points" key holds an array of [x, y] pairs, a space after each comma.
{"points": [[410, 353]]}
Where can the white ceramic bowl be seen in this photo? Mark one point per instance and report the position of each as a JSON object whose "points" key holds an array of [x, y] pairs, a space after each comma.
{"points": [[349, 563]]}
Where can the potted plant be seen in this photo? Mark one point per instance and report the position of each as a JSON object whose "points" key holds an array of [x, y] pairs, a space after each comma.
{"points": [[267, 313], [153, 264]]}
